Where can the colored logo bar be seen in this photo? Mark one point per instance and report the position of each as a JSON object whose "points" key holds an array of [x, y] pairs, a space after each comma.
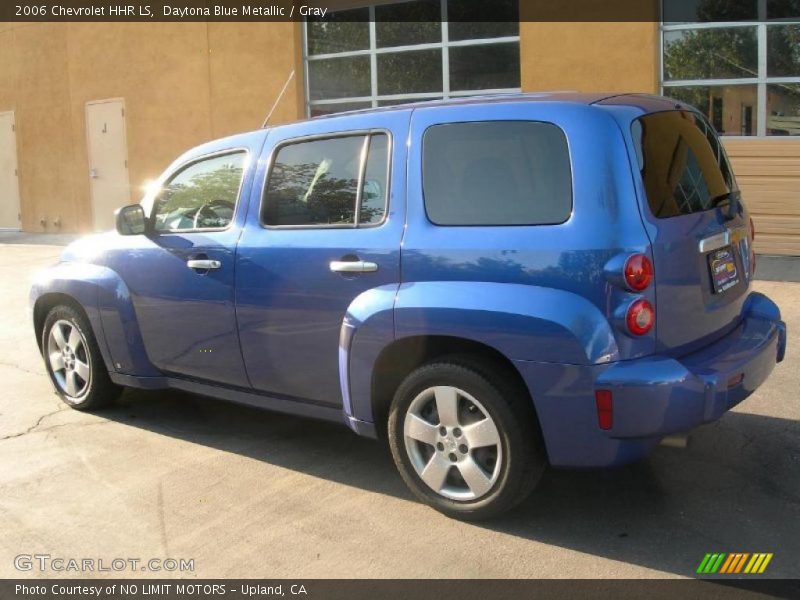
{"points": [[735, 562]]}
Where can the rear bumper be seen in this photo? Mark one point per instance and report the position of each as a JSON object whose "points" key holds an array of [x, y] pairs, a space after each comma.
{"points": [[654, 396]]}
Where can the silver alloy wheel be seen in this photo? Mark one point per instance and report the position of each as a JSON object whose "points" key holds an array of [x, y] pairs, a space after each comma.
{"points": [[453, 443], [69, 358]]}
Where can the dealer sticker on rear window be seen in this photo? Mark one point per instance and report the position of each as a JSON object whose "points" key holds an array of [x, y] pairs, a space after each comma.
{"points": [[723, 269]]}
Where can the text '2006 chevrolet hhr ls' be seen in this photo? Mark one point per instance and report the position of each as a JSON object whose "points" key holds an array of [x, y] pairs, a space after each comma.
{"points": [[492, 284]]}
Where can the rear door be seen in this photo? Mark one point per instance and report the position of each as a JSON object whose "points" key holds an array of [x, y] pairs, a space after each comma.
{"points": [[327, 228], [698, 227]]}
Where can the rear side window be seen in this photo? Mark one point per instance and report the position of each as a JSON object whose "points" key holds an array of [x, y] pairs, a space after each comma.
{"points": [[330, 182], [683, 165], [496, 173]]}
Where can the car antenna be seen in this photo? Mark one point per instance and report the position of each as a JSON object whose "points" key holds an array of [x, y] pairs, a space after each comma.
{"points": [[278, 99]]}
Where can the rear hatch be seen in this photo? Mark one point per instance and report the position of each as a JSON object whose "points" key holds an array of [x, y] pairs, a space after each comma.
{"points": [[698, 227]]}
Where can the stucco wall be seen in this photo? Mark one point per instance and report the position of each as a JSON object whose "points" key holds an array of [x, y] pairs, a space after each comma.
{"points": [[183, 83], [584, 57]]}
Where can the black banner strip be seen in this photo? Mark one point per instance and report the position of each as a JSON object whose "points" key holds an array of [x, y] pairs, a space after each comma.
{"points": [[687, 11], [388, 589]]}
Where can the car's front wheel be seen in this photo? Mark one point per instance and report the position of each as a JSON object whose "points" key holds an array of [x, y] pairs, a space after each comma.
{"points": [[73, 361], [464, 441]]}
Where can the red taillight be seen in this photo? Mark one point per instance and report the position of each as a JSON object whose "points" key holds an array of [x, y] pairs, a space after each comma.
{"points": [[640, 317], [638, 272], [605, 408]]}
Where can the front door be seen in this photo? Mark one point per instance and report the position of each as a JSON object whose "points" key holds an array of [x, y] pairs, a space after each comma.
{"points": [[180, 275], [328, 228], [108, 160]]}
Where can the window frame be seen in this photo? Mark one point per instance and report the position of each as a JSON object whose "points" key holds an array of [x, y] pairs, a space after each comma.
{"points": [[180, 169], [569, 160], [761, 80], [362, 169], [444, 44]]}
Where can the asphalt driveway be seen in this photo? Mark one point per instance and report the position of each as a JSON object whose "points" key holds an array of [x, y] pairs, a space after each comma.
{"points": [[252, 494]]}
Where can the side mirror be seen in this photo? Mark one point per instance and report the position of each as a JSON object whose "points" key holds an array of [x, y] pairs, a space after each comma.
{"points": [[131, 220]]}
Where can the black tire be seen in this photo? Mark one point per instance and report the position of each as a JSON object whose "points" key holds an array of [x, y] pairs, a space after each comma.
{"points": [[523, 456], [97, 390]]}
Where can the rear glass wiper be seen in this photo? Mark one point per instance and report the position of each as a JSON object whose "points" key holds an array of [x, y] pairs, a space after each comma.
{"points": [[717, 200], [733, 197]]}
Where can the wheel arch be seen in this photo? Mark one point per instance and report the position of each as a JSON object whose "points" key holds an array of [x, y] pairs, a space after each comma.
{"points": [[47, 302], [399, 359], [103, 298]]}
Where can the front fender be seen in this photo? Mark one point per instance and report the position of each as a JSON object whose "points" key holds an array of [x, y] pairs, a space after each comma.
{"points": [[106, 301]]}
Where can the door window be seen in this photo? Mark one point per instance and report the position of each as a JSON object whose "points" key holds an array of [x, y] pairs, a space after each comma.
{"points": [[201, 196], [331, 182]]}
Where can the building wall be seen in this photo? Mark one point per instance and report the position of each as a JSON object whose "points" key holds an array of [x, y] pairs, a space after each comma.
{"points": [[589, 57], [183, 83], [768, 172]]}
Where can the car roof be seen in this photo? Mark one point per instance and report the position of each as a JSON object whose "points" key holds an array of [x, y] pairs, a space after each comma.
{"points": [[647, 102]]}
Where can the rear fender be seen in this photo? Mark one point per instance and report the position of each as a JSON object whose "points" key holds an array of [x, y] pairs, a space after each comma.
{"points": [[368, 328], [522, 322]]}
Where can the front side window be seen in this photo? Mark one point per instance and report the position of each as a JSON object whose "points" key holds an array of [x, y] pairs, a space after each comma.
{"points": [[684, 168], [201, 196], [331, 182], [409, 51], [738, 62], [496, 173]]}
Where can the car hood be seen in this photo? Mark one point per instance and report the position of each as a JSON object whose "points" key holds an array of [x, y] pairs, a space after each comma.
{"points": [[90, 248]]}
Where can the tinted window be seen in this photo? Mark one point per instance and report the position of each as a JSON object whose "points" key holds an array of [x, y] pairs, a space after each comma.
{"points": [[316, 183], [684, 168], [201, 196], [496, 173]]}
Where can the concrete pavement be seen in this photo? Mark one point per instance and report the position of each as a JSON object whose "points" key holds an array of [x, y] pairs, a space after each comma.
{"points": [[253, 494]]}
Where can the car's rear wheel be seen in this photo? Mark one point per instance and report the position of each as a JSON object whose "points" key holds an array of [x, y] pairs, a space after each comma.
{"points": [[464, 442], [73, 361]]}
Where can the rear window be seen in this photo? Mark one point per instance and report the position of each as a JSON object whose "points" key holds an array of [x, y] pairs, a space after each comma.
{"points": [[496, 173], [683, 165]]}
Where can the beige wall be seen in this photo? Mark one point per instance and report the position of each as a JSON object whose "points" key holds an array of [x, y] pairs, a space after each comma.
{"points": [[768, 172], [182, 84], [589, 57]]}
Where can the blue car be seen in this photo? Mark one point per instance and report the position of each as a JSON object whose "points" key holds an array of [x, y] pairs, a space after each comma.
{"points": [[491, 284]]}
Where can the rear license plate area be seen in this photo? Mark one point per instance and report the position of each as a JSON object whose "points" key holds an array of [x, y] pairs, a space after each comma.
{"points": [[724, 274]]}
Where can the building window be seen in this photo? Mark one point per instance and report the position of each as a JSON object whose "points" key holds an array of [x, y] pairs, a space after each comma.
{"points": [[738, 62], [409, 52]]}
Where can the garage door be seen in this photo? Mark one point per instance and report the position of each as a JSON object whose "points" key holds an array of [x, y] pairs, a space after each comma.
{"points": [[768, 172]]}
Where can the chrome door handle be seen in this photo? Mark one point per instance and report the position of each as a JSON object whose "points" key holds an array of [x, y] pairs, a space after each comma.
{"points": [[203, 264], [353, 266]]}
